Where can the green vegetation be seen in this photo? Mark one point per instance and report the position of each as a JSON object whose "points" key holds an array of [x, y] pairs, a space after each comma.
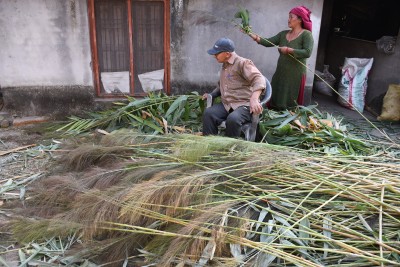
{"points": [[304, 127], [244, 16], [308, 128], [156, 113]]}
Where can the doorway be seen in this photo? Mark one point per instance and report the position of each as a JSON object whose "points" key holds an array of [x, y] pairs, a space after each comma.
{"points": [[354, 29]]}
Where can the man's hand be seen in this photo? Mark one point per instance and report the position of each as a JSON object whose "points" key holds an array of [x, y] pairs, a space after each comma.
{"points": [[255, 106], [204, 97]]}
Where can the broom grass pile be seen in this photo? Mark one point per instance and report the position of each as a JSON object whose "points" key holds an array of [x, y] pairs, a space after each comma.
{"points": [[185, 200], [304, 127]]}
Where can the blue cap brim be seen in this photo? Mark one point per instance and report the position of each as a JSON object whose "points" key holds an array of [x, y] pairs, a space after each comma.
{"points": [[213, 51]]}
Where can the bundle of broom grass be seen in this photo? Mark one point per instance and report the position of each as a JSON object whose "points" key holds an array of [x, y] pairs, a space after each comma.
{"points": [[184, 200]]}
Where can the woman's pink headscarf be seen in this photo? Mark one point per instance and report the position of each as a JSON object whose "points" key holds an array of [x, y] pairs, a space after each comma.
{"points": [[304, 13]]}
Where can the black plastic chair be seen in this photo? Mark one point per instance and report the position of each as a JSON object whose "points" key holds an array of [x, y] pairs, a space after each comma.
{"points": [[248, 129]]}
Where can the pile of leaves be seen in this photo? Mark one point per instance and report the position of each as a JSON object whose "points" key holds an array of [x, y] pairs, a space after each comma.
{"points": [[304, 127], [308, 128], [186, 200], [51, 252], [20, 168], [156, 113]]}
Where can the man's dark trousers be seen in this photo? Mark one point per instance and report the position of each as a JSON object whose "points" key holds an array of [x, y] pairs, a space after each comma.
{"points": [[234, 119]]}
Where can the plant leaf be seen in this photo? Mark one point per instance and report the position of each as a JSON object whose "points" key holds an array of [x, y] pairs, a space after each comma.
{"points": [[208, 253], [264, 259], [261, 217], [236, 251], [364, 222], [327, 224], [304, 226], [2, 261], [177, 103]]}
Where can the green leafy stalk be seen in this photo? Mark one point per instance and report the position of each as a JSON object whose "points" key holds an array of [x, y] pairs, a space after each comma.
{"points": [[154, 114], [307, 127], [244, 15]]}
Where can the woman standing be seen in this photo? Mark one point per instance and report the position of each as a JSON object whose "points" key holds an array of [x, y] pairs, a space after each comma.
{"points": [[295, 46]]}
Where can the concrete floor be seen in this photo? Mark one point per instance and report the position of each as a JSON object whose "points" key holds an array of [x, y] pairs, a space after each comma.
{"points": [[361, 125]]}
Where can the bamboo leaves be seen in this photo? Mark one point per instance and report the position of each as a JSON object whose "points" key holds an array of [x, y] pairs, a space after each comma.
{"points": [[142, 123], [304, 228], [306, 127], [178, 103], [266, 235], [327, 224], [3, 261], [264, 259], [208, 253], [154, 114], [12, 185], [244, 16], [51, 253]]}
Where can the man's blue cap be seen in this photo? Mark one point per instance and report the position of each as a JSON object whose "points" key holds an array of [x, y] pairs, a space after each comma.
{"points": [[222, 45]]}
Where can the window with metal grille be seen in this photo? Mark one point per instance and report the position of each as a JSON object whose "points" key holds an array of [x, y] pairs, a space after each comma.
{"points": [[148, 37], [112, 35], [130, 42]]}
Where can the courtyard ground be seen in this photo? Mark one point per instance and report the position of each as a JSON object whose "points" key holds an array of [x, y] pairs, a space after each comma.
{"points": [[25, 152]]}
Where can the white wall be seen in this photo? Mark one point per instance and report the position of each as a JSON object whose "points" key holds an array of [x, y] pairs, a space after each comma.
{"points": [[267, 18], [44, 42]]}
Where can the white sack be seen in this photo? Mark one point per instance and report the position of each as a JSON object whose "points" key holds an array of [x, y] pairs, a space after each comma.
{"points": [[152, 81], [115, 82]]}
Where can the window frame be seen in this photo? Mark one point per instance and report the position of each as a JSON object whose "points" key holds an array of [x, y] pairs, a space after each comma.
{"points": [[94, 49]]}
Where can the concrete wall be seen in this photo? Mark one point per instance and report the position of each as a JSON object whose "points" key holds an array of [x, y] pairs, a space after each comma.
{"points": [[45, 48], [201, 23], [45, 51], [44, 42]]}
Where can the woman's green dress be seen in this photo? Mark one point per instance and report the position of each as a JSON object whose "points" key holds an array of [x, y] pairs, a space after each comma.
{"points": [[289, 78]]}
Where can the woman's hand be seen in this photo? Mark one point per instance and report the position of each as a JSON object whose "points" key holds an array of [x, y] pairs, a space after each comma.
{"points": [[285, 50], [255, 37]]}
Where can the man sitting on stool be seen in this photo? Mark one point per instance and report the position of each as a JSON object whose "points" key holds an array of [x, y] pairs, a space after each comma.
{"points": [[240, 87]]}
